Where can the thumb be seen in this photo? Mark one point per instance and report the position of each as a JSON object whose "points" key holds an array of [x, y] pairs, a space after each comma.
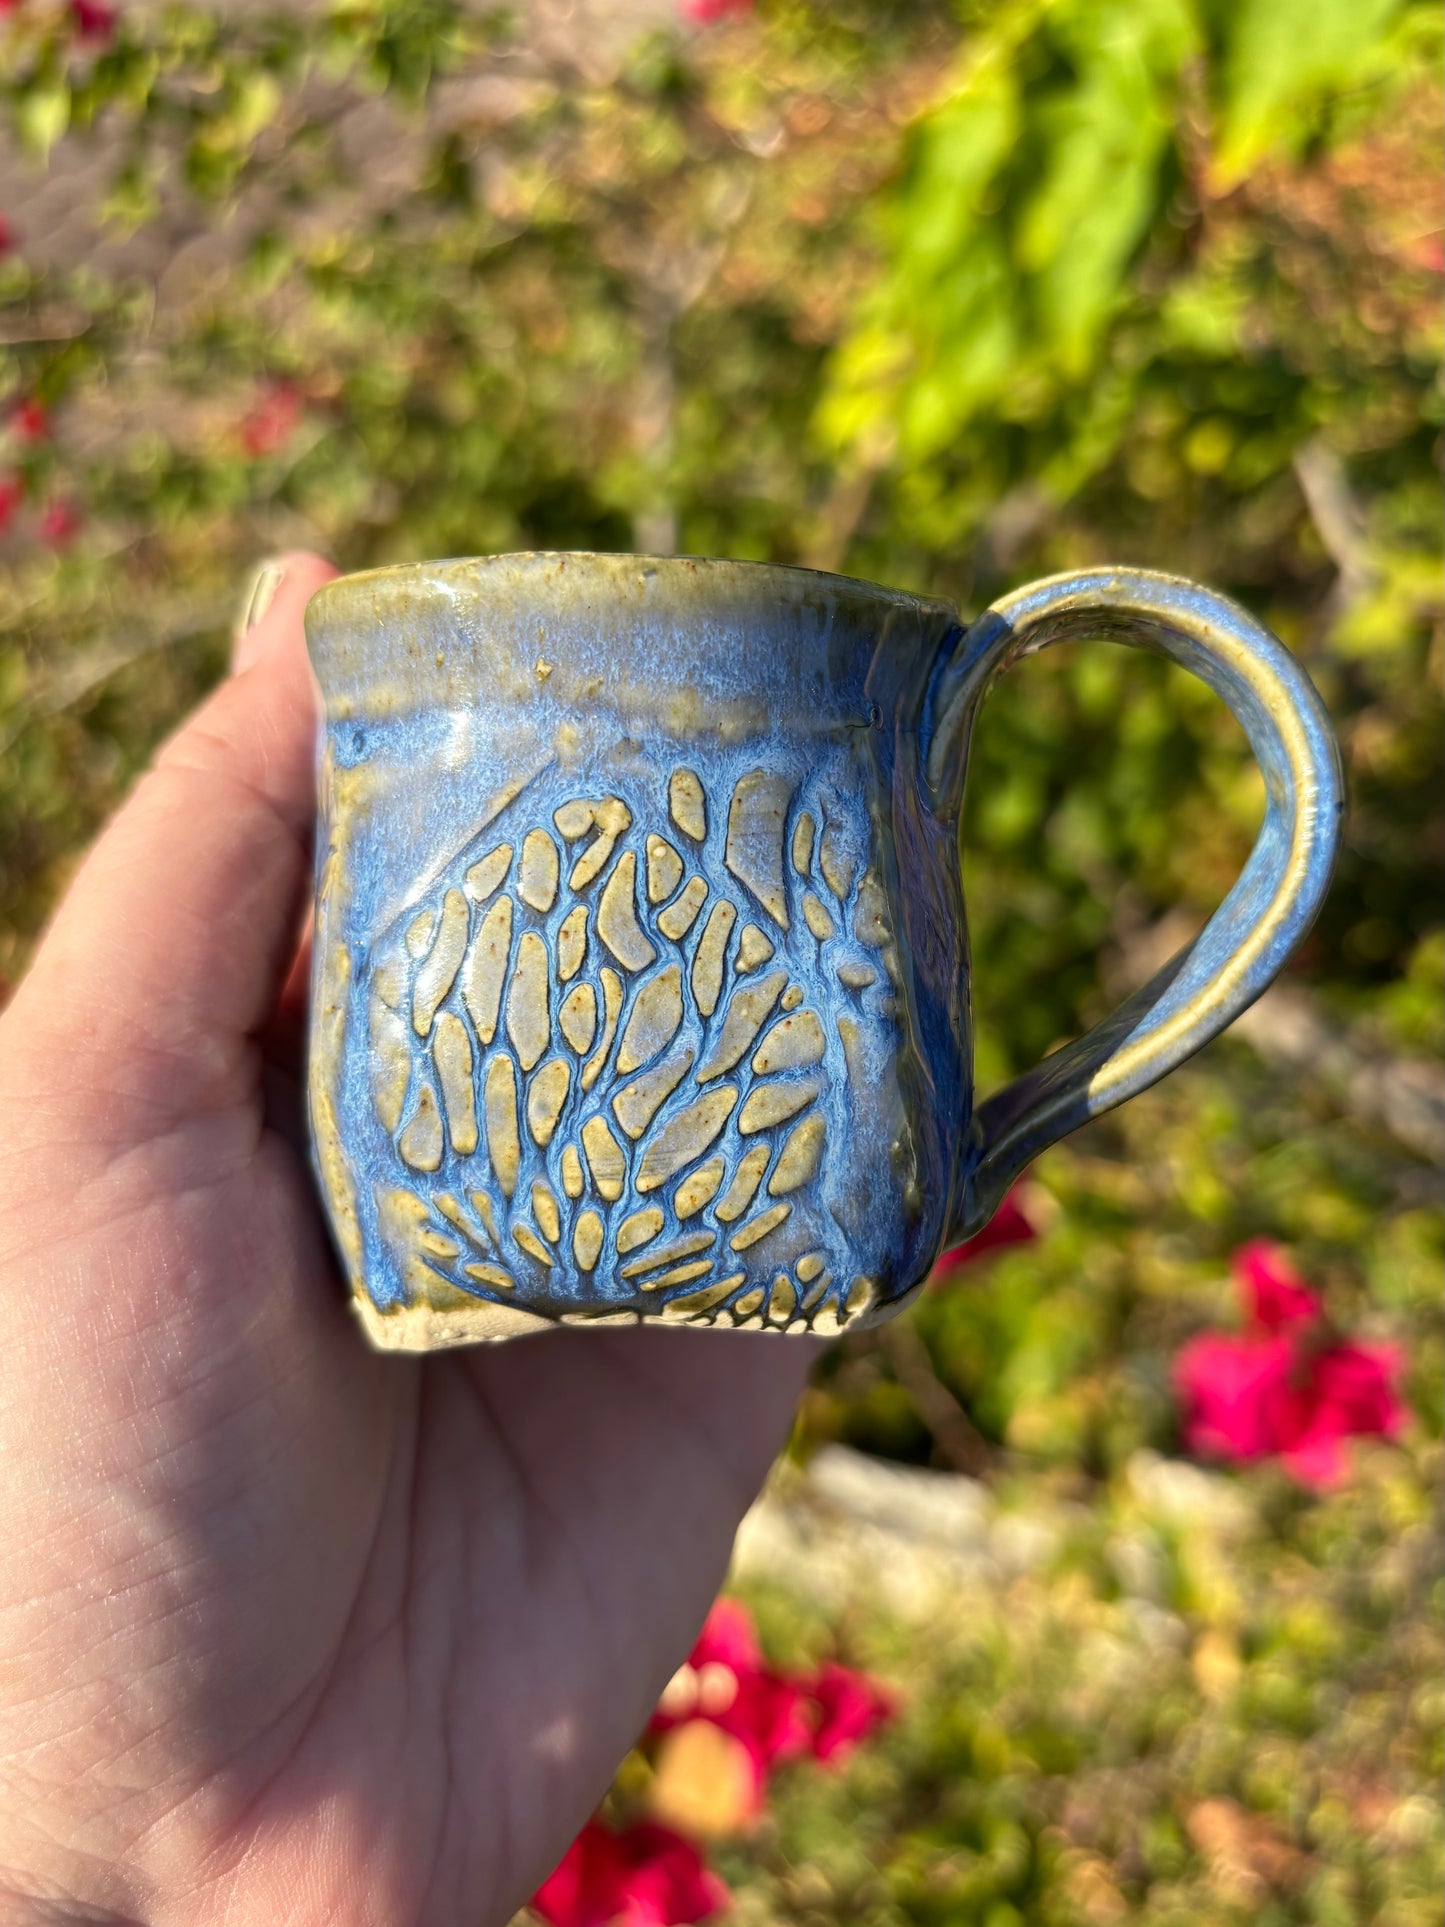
{"points": [[170, 948]]}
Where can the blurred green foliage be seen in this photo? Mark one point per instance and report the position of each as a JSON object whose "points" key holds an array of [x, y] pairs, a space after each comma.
{"points": [[1168, 1706], [948, 297]]}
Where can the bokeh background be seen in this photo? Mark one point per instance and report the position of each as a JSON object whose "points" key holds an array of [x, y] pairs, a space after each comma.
{"points": [[948, 296]]}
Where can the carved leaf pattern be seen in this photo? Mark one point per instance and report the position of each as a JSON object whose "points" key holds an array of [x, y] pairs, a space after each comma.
{"points": [[595, 1004]]}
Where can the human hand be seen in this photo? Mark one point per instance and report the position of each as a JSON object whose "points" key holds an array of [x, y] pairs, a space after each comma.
{"points": [[290, 1632]]}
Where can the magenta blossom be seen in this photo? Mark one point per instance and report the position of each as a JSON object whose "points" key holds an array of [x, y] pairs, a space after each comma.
{"points": [[702, 13], [1285, 1387], [728, 1638], [272, 420], [774, 1716], [60, 524], [30, 421], [1011, 1224], [1274, 1294], [848, 1708], [727, 1682], [1234, 1389], [643, 1875], [1348, 1392], [92, 21]]}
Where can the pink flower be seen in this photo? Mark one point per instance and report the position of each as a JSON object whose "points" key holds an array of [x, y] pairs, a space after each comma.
{"points": [[92, 20], [727, 1683], [643, 1875], [728, 1638], [1285, 1388], [848, 1708], [1009, 1225], [772, 1717], [272, 421], [702, 13], [60, 524], [30, 421], [1234, 1391], [7, 236], [1274, 1294], [1350, 1392], [12, 494]]}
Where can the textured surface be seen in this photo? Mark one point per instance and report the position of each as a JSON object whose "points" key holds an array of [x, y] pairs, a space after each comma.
{"points": [[614, 962], [640, 975], [660, 1053]]}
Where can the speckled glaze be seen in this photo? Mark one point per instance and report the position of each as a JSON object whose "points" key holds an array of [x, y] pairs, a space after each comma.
{"points": [[641, 980]]}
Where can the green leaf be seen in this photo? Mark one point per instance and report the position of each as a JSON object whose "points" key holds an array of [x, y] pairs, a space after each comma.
{"points": [[1280, 59], [1029, 191], [1104, 137], [257, 100], [42, 114]]}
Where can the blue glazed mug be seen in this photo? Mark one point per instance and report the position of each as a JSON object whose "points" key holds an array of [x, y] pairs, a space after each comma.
{"points": [[641, 979]]}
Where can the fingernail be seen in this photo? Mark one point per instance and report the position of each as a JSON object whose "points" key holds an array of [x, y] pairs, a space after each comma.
{"points": [[268, 580]]}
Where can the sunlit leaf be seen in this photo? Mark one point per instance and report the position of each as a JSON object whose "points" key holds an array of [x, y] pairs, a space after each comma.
{"points": [[1281, 58]]}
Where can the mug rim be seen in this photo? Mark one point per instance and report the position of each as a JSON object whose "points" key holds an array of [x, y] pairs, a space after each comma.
{"points": [[600, 564]]}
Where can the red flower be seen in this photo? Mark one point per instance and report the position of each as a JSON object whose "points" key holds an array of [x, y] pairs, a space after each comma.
{"points": [[768, 1716], [30, 421], [1285, 1387], [727, 1683], [1349, 1393], [848, 1708], [1234, 1391], [12, 494], [1274, 1294], [643, 1875], [92, 20], [60, 524], [1009, 1225], [702, 13], [728, 1639], [271, 422], [7, 236]]}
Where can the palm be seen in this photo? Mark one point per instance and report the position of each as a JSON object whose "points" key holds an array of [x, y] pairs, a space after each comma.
{"points": [[329, 1635]]}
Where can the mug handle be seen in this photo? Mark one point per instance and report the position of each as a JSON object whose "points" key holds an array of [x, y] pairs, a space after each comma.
{"points": [[1250, 936]]}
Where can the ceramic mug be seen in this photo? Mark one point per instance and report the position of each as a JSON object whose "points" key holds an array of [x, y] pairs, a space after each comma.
{"points": [[641, 979]]}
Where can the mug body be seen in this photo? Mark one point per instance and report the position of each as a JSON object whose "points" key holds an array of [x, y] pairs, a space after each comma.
{"points": [[639, 984]]}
